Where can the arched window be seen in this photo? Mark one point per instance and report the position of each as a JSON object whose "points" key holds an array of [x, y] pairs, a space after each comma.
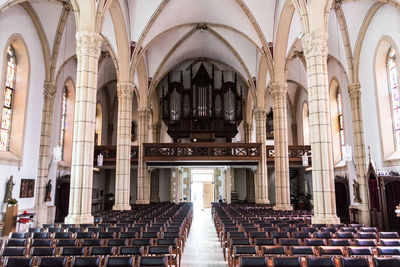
{"points": [[340, 117], [99, 124], [393, 83], [306, 125], [6, 118], [64, 103]]}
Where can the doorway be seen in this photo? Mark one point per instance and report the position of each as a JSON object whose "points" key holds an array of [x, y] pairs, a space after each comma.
{"points": [[202, 188]]}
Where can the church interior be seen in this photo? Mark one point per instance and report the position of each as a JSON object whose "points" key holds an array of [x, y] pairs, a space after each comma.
{"points": [[200, 133]]}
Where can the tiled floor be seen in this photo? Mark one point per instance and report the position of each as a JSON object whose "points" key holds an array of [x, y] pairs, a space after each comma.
{"points": [[202, 247]]}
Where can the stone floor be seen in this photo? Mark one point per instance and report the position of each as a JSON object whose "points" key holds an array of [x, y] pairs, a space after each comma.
{"points": [[202, 247]]}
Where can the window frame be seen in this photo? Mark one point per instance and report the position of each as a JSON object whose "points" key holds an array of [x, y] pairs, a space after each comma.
{"points": [[396, 137]]}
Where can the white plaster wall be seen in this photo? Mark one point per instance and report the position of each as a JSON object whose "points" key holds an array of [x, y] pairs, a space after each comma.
{"points": [[386, 15], [15, 20], [240, 183], [165, 185]]}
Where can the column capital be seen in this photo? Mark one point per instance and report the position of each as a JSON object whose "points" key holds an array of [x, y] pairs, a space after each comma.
{"points": [[354, 90], [50, 89], [125, 90], [278, 90], [315, 44], [88, 44], [260, 113]]}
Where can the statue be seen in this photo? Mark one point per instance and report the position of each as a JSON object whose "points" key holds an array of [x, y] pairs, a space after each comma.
{"points": [[48, 191], [9, 189], [356, 191]]}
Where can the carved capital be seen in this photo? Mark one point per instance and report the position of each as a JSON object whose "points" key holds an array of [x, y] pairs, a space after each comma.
{"points": [[125, 90], [50, 89], [354, 90], [260, 113], [315, 44], [88, 44], [278, 90]]}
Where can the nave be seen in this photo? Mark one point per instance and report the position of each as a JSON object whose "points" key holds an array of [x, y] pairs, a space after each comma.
{"points": [[226, 235]]}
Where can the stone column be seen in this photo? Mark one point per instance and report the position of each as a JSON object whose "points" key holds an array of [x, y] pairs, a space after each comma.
{"points": [[44, 152], [156, 132], [359, 152], [247, 127], [123, 168], [262, 175], [143, 181], [294, 134], [316, 51], [80, 201], [278, 92], [228, 184]]}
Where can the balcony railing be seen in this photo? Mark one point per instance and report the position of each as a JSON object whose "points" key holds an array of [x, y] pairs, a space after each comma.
{"points": [[110, 154], [158, 152], [202, 151], [295, 154]]}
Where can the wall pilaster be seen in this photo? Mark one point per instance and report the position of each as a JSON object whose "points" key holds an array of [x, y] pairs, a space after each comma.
{"points": [[143, 181], [49, 92], [354, 90]]}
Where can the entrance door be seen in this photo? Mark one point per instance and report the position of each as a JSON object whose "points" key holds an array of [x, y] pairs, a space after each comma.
{"points": [[207, 194]]}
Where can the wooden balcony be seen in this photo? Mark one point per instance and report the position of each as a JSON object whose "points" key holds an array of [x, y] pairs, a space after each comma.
{"points": [[206, 153]]}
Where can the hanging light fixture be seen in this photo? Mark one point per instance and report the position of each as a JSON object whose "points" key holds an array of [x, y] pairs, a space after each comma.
{"points": [[397, 210]]}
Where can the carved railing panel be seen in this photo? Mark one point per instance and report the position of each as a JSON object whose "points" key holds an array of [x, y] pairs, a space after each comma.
{"points": [[110, 154], [202, 151], [295, 153]]}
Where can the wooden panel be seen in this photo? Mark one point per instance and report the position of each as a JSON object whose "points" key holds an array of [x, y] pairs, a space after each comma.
{"points": [[207, 194]]}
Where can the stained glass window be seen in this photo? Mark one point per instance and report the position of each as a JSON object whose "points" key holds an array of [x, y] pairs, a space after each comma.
{"points": [[6, 115], [63, 119], [394, 93], [340, 117]]}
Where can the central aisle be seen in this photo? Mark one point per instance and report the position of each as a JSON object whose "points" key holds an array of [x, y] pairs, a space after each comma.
{"points": [[202, 247]]}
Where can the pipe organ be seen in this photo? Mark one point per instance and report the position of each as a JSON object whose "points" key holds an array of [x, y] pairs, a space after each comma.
{"points": [[202, 112]]}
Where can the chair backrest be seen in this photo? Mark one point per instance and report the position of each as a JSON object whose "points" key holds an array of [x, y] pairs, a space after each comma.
{"points": [[48, 242], [290, 242], [287, 261], [127, 235], [40, 235], [389, 251], [158, 250], [168, 241], [106, 235], [98, 251], [58, 235], [349, 235], [299, 250], [367, 235], [153, 261], [365, 242], [82, 235], [34, 229], [331, 251], [73, 251], [275, 250], [320, 262], [360, 251], [239, 241], [392, 235], [280, 235], [19, 262], [92, 242], [141, 242], [253, 261], [16, 243], [53, 261], [119, 261], [301, 234], [339, 242], [322, 234], [55, 229], [315, 242], [19, 235], [245, 250], [369, 229], [86, 261], [390, 242], [66, 242], [265, 242], [117, 242], [386, 262], [7, 252], [131, 250], [354, 262], [43, 251]]}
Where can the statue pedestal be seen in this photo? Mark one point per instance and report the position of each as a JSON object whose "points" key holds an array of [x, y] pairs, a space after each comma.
{"points": [[10, 219]]}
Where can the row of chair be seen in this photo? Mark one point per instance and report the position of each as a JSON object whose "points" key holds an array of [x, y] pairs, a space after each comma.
{"points": [[108, 261], [261, 261]]}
